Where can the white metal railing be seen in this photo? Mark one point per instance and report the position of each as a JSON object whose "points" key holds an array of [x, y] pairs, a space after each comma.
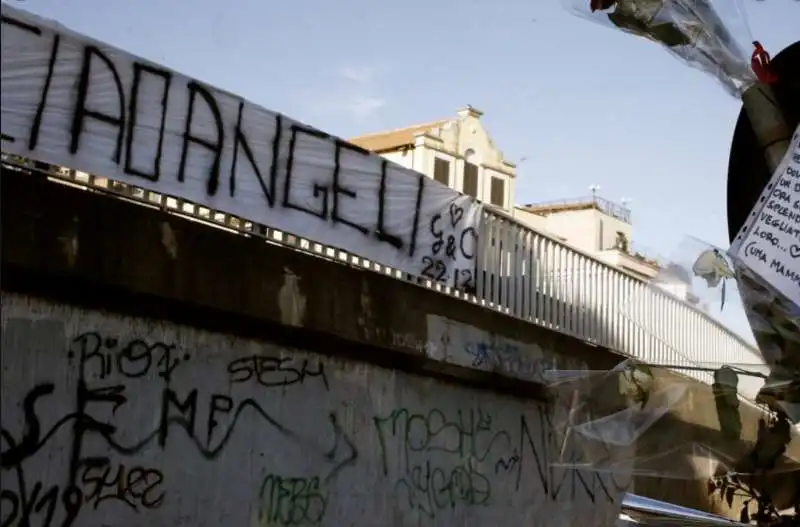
{"points": [[525, 274], [535, 277]]}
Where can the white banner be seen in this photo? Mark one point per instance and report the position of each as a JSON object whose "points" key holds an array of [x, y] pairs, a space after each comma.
{"points": [[70, 101]]}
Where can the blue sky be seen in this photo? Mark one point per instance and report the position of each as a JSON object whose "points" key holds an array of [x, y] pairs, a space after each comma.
{"points": [[581, 103]]}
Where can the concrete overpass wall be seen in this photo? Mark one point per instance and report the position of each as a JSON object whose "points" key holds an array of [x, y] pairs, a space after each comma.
{"points": [[160, 372], [157, 423]]}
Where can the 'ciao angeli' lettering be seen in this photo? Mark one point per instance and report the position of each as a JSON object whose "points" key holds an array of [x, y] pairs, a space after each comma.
{"points": [[88, 106]]}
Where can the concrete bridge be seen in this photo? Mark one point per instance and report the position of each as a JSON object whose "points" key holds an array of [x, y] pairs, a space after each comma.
{"points": [[165, 365]]}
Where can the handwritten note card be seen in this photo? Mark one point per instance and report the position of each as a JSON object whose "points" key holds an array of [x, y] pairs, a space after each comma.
{"points": [[769, 243]]}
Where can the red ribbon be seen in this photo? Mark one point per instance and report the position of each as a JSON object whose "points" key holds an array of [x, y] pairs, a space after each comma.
{"points": [[761, 65]]}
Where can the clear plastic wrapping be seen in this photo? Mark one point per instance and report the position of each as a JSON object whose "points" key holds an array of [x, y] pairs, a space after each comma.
{"points": [[703, 276], [707, 271], [707, 278], [775, 322], [711, 35], [650, 417], [640, 420]]}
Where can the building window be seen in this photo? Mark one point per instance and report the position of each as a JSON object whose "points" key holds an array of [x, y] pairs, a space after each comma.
{"points": [[441, 171], [470, 179], [621, 242], [498, 192], [600, 242]]}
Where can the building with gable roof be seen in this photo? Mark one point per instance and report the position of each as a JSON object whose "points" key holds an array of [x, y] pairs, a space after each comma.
{"points": [[457, 152]]}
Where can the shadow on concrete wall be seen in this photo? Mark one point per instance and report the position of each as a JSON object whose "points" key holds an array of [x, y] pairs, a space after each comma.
{"points": [[666, 445], [660, 438]]}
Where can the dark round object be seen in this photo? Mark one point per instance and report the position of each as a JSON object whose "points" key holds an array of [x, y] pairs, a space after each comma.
{"points": [[747, 170]]}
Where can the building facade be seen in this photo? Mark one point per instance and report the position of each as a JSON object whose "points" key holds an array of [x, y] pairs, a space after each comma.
{"points": [[604, 229], [456, 152], [593, 225]]}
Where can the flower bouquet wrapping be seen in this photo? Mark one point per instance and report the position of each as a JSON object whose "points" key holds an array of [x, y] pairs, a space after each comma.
{"points": [[625, 422], [713, 36]]}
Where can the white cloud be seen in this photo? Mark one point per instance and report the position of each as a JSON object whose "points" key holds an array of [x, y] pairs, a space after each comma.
{"points": [[358, 93], [363, 106], [354, 93], [360, 75]]}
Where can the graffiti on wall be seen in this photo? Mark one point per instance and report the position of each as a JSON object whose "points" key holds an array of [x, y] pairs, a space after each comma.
{"points": [[113, 421], [476, 348]]}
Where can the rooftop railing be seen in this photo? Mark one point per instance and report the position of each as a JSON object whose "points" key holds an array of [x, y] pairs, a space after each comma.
{"points": [[522, 273], [605, 206]]}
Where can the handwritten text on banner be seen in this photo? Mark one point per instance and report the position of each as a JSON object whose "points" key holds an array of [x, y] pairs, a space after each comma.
{"points": [[74, 102]]}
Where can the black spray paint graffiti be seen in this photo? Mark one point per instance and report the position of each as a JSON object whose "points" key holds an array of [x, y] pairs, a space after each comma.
{"points": [[100, 358], [446, 463], [274, 169], [134, 486], [273, 371], [451, 241], [554, 480], [94, 480], [20, 507]]}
